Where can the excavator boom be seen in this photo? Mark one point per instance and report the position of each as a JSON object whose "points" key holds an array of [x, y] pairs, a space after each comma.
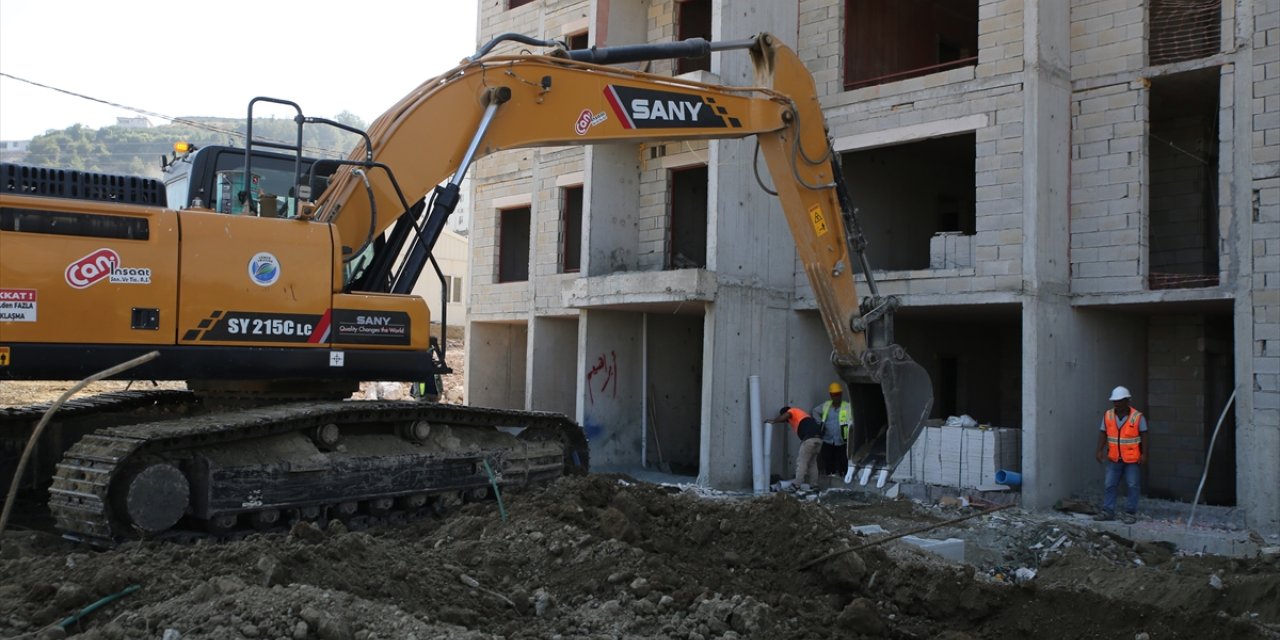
{"points": [[510, 102]]}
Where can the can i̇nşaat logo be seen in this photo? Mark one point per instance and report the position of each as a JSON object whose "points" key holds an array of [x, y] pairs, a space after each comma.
{"points": [[264, 269], [104, 264]]}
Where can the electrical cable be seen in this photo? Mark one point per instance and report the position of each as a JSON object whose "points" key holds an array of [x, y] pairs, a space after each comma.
{"points": [[183, 121]]}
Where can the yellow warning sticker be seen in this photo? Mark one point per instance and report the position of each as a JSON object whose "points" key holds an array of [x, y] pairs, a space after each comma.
{"points": [[4, 356], [819, 221]]}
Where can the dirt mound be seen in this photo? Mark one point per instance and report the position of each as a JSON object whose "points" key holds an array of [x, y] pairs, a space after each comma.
{"points": [[606, 557]]}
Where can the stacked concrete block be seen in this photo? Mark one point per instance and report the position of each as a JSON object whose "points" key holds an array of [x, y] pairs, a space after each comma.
{"points": [[950, 250], [961, 457]]}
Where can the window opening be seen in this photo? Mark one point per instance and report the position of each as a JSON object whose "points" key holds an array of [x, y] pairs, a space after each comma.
{"points": [[687, 219], [889, 40], [1183, 30], [910, 222], [693, 20], [1183, 156], [570, 229], [513, 245]]}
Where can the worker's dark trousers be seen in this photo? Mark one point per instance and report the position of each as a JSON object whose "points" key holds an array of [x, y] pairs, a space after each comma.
{"points": [[834, 460]]}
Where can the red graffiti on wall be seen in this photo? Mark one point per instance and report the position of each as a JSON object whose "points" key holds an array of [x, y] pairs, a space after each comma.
{"points": [[609, 370]]}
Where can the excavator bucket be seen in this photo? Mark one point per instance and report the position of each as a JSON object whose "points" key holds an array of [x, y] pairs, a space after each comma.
{"points": [[908, 398]]}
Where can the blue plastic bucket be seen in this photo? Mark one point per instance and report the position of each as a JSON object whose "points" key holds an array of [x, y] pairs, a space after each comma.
{"points": [[1011, 478]]}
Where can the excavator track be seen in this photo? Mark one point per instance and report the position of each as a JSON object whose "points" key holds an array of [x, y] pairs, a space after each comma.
{"points": [[228, 473]]}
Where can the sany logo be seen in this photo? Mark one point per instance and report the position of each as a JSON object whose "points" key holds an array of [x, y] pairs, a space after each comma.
{"points": [[88, 270], [586, 120], [639, 108]]}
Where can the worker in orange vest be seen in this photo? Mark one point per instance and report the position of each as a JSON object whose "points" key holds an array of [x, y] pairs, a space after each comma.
{"points": [[1124, 441], [810, 434]]}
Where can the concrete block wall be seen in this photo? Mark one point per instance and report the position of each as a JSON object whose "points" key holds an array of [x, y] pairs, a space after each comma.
{"points": [[1107, 37], [1174, 404], [559, 167], [986, 100], [1179, 243], [1108, 111], [1108, 229], [1000, 37], [823, 45], [1260, 324], [661, 27], [532, 175], [1265, 250]]}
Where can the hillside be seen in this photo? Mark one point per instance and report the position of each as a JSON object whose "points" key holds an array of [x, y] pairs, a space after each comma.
{"points": [[137, 150]]}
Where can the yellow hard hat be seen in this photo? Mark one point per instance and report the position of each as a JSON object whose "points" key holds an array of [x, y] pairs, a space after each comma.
{"points": [[834, 387]]}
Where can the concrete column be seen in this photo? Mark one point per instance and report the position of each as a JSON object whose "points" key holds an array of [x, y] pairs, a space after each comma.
{"points": [[553, 358], [610, 387], [610, 200], [1254, 211], [745, 333], [1051, 418], [751, 251], [611, 193], [616, 22]]}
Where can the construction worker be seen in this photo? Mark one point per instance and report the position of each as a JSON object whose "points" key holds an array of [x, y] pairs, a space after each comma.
{"points": [[427, 390], [1124, 441], [810, 434], [835, 416]]}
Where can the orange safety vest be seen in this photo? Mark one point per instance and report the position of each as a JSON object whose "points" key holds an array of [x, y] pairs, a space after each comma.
{"points": [[794, 416], [1123, 439]]}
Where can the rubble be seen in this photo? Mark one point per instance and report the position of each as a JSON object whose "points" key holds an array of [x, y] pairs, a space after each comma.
{"points": [[607, 556]]}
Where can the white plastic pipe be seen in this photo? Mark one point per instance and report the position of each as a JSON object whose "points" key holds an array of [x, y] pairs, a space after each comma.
{"points": [[759, 478], [768, 453], [1207, 456]]}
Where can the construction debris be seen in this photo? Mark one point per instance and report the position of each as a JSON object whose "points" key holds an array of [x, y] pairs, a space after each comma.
{"points": [[606, 556]]}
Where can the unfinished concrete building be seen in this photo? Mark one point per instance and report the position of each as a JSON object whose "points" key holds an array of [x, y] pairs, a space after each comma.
{"points": [[1066, 196]]}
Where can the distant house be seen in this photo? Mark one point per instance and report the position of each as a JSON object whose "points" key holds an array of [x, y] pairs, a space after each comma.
{"points": [[133, 123], [451, 254], [13, 150]]}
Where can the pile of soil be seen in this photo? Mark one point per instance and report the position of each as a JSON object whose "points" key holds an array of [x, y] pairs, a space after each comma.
{"points": [[604, 556]]}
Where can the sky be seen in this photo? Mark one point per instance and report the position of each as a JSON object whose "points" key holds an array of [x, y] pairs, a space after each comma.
{"points": [[181, 58]]}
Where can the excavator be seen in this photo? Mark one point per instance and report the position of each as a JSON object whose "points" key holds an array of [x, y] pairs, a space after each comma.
{"points": [[272, 283]]}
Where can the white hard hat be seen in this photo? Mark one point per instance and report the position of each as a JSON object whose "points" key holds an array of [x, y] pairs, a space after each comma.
{"points": [[1120, 393]]}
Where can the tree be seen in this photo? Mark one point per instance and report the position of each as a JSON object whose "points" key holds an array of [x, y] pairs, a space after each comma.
{"points": [[137, 151]]}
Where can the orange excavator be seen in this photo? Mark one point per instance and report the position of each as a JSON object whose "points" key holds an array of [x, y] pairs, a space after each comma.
{"points": [[273, 283]]}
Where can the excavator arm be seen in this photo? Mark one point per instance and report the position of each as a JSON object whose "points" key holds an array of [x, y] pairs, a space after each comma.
{"points": [[492, 103]]}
